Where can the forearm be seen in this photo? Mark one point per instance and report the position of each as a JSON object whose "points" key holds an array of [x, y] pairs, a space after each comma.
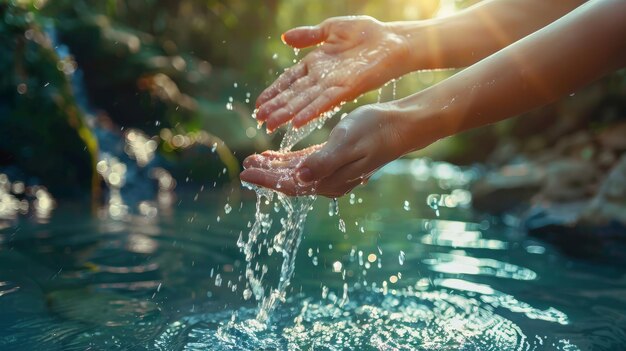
{"points": [[470, 35], [556, 60]]}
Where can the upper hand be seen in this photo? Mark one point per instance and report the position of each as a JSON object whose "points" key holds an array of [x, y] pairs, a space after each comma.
{"points": [[357, 54], [365, 140]]}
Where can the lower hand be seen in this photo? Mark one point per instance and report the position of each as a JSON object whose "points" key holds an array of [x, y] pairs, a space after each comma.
{"points": [[362, 142]]}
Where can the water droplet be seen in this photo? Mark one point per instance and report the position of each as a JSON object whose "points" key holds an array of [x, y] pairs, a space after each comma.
{"points": [[333, 207], [227, 208], [324, 292], [218, 280], [22, 88], [240, 242], [247, 294], [407, 205], [372, 257], [337, 267], [342, 225], [433, 202], [401, 258]]}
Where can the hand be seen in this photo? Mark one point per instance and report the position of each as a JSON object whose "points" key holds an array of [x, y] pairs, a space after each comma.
{"points": [[365, 140], [356, 55]]}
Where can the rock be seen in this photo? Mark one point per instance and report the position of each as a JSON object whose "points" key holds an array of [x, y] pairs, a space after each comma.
{"points": [[569, 180], [595, 227], [609, 204], [614, 138], [509, 188], [578, 145], [45, 134], [559, 225]]}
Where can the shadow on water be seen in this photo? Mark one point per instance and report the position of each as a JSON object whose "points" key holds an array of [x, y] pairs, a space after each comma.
{"points": [[398, 278]]}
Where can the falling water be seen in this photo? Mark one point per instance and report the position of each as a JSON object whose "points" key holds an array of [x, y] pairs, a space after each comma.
{"points": [[286, 241]]}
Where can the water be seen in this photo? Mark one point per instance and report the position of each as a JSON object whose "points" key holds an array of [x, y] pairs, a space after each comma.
{"points": [[286, 241], [466, 281]]}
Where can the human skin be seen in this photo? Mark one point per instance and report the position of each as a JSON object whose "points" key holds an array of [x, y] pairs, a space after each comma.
{"points": [[556, 60], [358, 53]]}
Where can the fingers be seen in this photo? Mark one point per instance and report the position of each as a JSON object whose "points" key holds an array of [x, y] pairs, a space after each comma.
{"points": [[330, 98], [280, 181], [284, 181], [336, 172], [303, 37], [252, 161], [273, 160], [325, 162], [343, 180], [282, 98], [292, 105], [283, 82]]}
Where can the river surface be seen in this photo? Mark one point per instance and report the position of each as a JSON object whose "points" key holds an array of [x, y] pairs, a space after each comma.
{"points": [[405, 264]]}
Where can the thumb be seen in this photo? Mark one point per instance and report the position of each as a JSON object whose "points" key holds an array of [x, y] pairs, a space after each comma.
{"points": [[302, 37], [327, 160]]}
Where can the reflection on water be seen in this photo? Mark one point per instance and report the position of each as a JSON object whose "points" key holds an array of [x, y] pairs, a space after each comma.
{"points": [[444, 235], [397, 279], [16, 198], [461, 264]]}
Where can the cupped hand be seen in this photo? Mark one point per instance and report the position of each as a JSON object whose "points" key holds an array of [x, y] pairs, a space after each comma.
{"points": [[362, 142], [357, 54]]}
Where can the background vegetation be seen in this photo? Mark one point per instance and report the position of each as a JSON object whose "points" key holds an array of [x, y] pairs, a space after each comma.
{"points": [[75, 74]]}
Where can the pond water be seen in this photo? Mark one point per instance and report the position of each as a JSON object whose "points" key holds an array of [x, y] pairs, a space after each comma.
{"points": [[385, 273]]}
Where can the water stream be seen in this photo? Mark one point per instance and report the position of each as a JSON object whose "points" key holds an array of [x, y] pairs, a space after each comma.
{"points": [[286, 241]]}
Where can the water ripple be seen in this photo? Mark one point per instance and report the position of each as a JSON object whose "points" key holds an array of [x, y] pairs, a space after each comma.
{"points": [[424, 320]]}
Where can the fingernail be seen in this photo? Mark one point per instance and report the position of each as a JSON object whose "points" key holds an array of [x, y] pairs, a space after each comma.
{"points": [[304, 175]]}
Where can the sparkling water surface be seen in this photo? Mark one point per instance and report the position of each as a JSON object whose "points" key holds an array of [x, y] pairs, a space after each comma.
{"points": [[397, 277]]}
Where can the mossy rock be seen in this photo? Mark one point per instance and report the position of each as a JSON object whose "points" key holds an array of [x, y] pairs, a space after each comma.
{"points": [[45, 134]]}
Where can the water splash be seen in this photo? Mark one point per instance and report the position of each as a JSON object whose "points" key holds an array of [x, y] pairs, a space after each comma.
{"points": [[452, 318], [333, 207], [293, 136], [287, 240]]}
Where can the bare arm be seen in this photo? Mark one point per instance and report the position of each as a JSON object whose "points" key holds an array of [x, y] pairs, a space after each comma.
{"points": [[359, 54], [468, 36], [556, 60]]}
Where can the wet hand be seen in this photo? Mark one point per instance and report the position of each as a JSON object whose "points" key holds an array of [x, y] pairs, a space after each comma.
{"points": [[365, 140], [357, 54]]}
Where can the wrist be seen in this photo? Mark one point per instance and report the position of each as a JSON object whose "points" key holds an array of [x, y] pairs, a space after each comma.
{"points": [[422, 122], [413, 42]]}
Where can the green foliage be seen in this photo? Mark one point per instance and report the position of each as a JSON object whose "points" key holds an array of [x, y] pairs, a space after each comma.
{"points": [[44, 133], [147, 62]]}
